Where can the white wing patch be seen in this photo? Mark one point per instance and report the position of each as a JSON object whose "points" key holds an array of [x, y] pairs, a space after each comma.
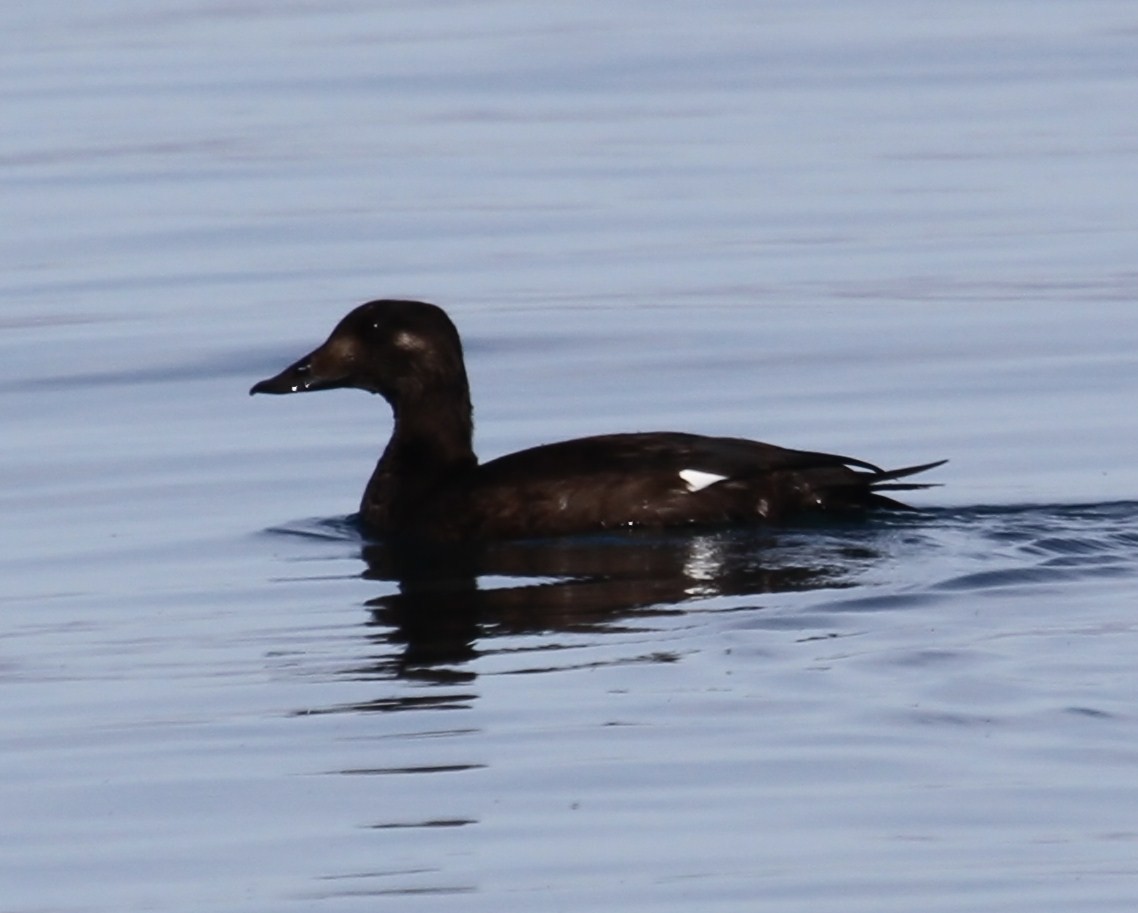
{"points": [[697, 481]]}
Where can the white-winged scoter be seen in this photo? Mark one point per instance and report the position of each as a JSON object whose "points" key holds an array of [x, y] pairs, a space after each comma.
{"points": [[429, 484]]}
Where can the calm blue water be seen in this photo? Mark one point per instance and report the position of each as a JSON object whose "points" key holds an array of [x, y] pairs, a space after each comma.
{"points": [[900, 232]]}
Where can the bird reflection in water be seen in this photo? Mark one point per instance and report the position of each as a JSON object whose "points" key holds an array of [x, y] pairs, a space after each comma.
{"points": [[452, 600]]}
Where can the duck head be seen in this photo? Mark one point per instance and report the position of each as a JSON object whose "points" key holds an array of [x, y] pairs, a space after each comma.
{"points": [[399, 349]]}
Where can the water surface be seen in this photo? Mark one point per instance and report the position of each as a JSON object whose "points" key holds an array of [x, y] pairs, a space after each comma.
{"points": [[898, 232]]}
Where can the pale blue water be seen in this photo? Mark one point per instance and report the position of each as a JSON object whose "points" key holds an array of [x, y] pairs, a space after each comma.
{"points": [[898, 231]]}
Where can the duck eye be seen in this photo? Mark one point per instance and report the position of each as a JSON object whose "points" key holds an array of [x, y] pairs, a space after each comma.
{"points": [[377, 330]]}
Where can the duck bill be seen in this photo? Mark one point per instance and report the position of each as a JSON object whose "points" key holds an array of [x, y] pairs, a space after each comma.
{"points": [[302, 376]]}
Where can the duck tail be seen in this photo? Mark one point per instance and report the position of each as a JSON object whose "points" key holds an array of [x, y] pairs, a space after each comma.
{"points": [[878, 482]]}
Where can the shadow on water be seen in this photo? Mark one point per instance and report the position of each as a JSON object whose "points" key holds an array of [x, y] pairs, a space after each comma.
{"points": [[451, 600], [451, 604]]}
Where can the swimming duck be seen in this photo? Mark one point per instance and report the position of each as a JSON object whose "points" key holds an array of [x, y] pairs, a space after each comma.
{"points": [[429, 485]]}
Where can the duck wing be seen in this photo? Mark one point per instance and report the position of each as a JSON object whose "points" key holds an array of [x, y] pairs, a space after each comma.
{"points": [[656, 479]]}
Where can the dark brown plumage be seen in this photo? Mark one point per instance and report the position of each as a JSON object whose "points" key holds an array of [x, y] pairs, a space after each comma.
{"points": [[429, 484]]}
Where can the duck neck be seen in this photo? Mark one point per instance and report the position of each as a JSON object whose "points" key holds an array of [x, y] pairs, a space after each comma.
{"points": [[434, 433], [432, 443]]}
